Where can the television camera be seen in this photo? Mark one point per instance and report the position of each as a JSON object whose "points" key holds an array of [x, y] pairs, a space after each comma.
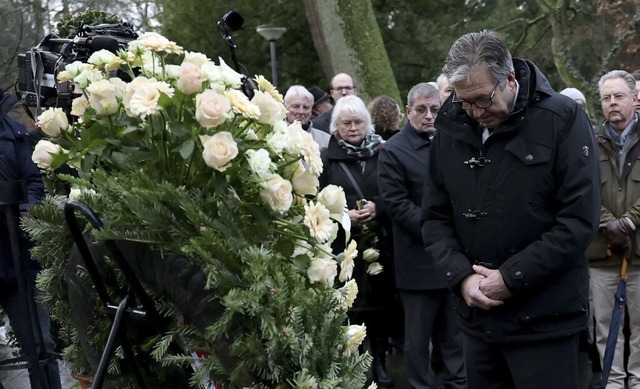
{"points": [[38, 68]]}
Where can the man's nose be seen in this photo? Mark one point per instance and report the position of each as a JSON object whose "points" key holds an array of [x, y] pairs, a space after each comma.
{"points": [[476, 112]]}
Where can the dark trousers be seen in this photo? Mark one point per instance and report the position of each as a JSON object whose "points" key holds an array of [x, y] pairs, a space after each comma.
{"points": [[546, 364], [18, 316], [429, 317]]}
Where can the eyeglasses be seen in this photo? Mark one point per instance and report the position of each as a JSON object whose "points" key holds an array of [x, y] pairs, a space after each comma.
{"points": [[480, 103], [422, 110], [614, 97], [344, 89]]}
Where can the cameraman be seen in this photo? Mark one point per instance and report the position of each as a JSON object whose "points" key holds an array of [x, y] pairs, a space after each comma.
{"points": [[16, 164]]}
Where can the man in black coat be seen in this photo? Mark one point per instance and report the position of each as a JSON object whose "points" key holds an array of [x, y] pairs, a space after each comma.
{"points": [[511, 203], [16, 165], [429, 316]]}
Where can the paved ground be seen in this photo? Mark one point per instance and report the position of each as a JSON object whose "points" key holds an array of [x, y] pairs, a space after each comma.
{"points": [[19, 379]]}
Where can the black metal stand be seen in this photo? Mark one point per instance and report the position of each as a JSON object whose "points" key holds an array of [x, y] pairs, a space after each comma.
{"points": [[137, 302], [12, 194]]}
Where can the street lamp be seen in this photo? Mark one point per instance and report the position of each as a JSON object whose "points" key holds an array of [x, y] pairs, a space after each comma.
{"points": [[272, 33]]}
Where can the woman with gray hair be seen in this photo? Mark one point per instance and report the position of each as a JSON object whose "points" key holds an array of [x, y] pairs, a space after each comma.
{"points": [[351, 161]]}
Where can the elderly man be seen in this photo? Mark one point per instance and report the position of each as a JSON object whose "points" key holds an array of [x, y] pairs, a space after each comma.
{"points": [[298, 102], [620, 216], [341, 85], [429, 316], [510, 205]]}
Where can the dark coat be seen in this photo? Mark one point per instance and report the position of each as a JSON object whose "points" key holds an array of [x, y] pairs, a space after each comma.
{"points": [[15, 164], [401, 172], [526, 202], [323, 121], [374, 290]]}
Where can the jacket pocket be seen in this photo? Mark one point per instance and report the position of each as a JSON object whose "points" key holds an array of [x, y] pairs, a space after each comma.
{"points": [[528, 152]]}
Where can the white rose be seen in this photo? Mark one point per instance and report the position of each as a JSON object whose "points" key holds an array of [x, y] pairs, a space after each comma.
{"points": [[323, 270], [172, 72], [88, 76], [105, 59], [79, 105], [333, 197], [102, 97], [374, 268], [304, 182], [120, 87], [44, 152], [259, 161], [53, 121], [211, 109], [195, 58], [190, 80], [277, 142], [270, 109], [277, 194], [73, 70], [219, 150], [370, 254]]}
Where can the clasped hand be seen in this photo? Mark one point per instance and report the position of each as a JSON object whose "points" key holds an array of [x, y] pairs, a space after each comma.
{"points": [[485, 289], [364, 215]]}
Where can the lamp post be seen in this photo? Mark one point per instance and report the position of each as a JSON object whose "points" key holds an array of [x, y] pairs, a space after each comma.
{"points": [[272, 33]]}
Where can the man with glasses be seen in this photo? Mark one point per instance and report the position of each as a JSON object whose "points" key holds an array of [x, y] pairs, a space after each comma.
{"points": [[511, 202], [619, 146], [428, 313], [341, 85]]}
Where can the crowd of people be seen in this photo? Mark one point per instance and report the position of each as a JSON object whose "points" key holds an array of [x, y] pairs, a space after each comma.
{"points": [[501, 213]]}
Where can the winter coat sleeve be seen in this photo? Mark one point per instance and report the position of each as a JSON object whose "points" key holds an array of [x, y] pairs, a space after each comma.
{"points": [[395, 193]]}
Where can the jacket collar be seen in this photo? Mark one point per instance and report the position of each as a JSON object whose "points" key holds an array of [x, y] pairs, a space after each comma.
{"points": [[413, 136]]}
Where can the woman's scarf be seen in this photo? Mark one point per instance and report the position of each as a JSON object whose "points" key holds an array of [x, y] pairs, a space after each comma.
{"points": [[367, 148]]}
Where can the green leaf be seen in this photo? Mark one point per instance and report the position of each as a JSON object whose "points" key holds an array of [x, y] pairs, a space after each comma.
{"points": [[59, 160], [186, 149], [165, 101]]}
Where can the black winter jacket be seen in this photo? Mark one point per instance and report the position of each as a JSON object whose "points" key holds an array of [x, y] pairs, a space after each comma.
{"points": [[15, 165], [526, 202], [401, 171]]}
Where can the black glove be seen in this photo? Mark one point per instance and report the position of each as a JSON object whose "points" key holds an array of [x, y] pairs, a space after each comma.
{"points": [[618, 234]]}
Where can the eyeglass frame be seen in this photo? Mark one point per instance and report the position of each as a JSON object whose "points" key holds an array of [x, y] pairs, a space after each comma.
{"points": [[426, 109], [461, 103], [344, 88]]}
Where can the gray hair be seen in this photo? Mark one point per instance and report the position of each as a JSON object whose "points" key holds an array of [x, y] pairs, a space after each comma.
{"points": [[351, 105], [298, 91], [486, 48], [626, 76], [422, 90], [441, 80]]}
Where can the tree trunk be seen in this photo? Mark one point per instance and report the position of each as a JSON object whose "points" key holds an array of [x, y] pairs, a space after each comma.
{"points": [[347, 39]]}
